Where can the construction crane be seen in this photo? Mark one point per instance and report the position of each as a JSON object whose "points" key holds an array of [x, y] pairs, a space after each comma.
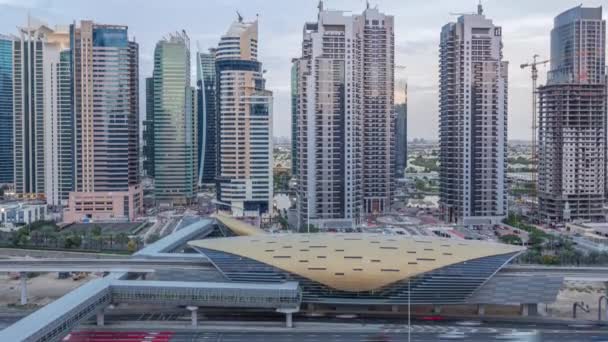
{"points": [[533, 66]]}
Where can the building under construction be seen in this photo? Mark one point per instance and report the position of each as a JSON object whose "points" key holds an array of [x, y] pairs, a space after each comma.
{"points": [[572, 151], [572, 120]]}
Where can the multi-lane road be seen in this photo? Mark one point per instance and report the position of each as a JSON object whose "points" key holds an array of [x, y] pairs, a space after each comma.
{"points": [[261, 336], [216, 327]]}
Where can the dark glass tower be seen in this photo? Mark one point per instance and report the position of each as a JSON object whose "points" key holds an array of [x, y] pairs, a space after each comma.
{"points": [[6, 110], [207, 117]]}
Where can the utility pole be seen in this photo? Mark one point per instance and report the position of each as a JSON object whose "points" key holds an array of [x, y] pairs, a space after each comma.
{"points": [[534, 69]]}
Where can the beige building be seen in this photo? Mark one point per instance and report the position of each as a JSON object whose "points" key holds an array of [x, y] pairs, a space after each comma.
{"points": [[244, 182], [106, 124], [104, 206]]}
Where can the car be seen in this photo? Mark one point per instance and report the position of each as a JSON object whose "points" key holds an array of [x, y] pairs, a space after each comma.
{"points": [[452, 335], [433, 318], [469, 323], [521, 336]]}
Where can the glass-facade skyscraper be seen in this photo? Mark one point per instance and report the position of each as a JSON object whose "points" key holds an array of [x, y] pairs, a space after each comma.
{"points": [[175, 122], [105, 81], [28, 110], [207, 118], [149, 129], [6, 110]]}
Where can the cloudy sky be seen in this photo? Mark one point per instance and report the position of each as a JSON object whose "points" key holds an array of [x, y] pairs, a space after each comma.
{"points": [[526, 25]]}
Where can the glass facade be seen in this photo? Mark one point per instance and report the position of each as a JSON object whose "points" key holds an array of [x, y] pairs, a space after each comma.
{"points": [[106, 111], [149, 129], [6, 110], [65, 127], [28, 110], [207, 118], [175, 122]]}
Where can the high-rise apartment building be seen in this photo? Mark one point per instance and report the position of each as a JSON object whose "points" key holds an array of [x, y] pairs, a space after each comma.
{"points": [[106, 123], [244, 108], [294, 118], [207, 118], [572, 120], [6, 110], [42, 113], [175, 122], [58, 123], [472, 121], [343, 97]]}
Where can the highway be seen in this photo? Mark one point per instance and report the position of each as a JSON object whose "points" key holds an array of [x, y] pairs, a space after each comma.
{"points": [[574, 273], [101, 265], [343, 337]]}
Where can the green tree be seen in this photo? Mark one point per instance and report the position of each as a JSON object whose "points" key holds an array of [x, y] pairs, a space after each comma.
{"points": [[96, 231], [73, 241], [121, 239]]}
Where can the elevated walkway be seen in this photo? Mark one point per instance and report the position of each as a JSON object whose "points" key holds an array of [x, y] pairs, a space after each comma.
{"points": [[57, 319]]}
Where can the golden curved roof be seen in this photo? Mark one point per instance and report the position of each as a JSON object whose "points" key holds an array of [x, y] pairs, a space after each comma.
{"points": [[238, 227], [355, 262]]}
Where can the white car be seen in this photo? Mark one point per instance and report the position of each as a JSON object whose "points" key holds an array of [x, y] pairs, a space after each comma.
{"points": [[522, 336], [452, 335]]}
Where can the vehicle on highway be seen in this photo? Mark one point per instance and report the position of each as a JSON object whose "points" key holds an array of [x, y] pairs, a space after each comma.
{"points": [[520, 336], [452, 335], [469, 323]]}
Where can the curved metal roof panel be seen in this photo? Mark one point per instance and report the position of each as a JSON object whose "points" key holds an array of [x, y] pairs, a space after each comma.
{"points": [[355, 262]]}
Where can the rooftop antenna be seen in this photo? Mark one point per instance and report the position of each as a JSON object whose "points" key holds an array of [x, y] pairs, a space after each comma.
{"points": [[239, 16], [367, 4], [320, 6], [479, 8]]}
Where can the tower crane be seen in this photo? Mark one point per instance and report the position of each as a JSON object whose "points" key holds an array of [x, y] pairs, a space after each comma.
{"points": [[533, 67]]}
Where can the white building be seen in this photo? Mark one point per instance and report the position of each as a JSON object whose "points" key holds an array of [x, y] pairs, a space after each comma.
{"points": [[472, 121], [344, 117], [43, 122], [20, 213]]}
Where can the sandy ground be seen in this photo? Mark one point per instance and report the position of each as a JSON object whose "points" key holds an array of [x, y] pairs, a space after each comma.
{"points": [[42, 289], [571, 292]]}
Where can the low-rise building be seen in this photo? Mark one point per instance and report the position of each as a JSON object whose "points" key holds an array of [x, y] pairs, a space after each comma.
{"points": [[104, 206], [21, 213]]}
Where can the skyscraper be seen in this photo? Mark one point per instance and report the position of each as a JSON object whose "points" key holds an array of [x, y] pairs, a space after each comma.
{"points": [[401, 135], [6, 110], [42, 113], [58, 124], [175, 122], [294, 117], [244, 182], [472, 121], [207, 118], [106, 123], [344, 99], [572, 120], [28, 109], [148, 134]]}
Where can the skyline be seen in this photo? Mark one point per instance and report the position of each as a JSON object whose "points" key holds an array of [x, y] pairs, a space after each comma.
{"points": [[417, 29]]}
